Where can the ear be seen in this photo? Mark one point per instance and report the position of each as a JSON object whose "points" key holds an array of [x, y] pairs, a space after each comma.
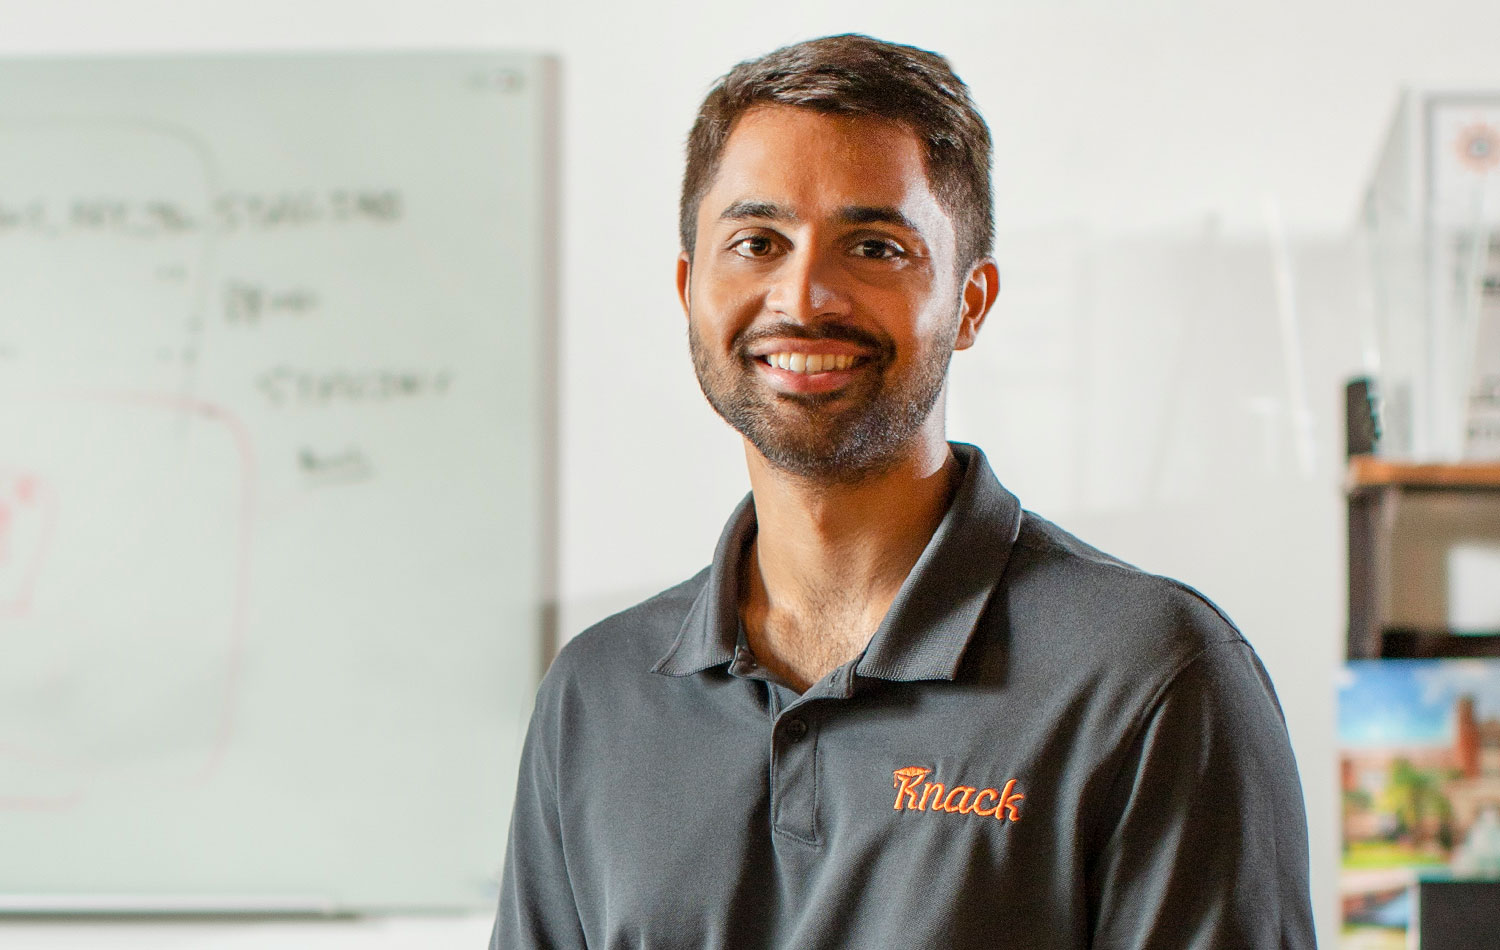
{"points": [[980, 290], [684, 278]]}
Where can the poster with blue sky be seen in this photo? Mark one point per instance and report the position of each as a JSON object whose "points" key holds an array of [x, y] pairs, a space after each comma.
{"points": [[1420, 780]]}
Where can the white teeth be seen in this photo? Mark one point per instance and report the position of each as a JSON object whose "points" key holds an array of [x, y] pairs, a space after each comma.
{"points": [[809, 362]]}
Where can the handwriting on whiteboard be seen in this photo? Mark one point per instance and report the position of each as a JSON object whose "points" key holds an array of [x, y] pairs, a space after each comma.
{"points": [[228, 213], [331, 468], [248, 304], [288, 387]]}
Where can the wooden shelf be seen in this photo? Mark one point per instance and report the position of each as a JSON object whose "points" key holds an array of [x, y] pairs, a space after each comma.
{"points": [[1375, 488], [1369, 471]]}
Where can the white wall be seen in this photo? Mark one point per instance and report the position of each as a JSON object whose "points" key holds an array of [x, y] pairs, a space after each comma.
{"points": [[1131, 384]]}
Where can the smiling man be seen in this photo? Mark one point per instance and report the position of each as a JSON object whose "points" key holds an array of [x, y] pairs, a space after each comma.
{"points": [[897, 709]]}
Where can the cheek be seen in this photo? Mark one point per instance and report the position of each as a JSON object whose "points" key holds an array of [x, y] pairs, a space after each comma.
{"points": [[723, 300], [931, 330]]}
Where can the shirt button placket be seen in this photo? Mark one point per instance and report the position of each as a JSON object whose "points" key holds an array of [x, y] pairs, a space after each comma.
{"points": [[794, 794]]}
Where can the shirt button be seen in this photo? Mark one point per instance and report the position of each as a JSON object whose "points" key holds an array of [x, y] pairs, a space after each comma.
{"points": [[795, 729]]}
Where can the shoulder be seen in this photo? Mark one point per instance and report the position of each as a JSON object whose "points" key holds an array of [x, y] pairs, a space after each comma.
{"points": [[1147, 655], [626, 643], [1053, 566], [1075, 603]]}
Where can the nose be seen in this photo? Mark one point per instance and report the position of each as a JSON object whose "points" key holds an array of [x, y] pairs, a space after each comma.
{"points": [[807, 287]]}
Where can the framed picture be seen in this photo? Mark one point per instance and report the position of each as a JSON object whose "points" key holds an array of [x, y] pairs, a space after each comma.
{"points": [[1419, 750]]}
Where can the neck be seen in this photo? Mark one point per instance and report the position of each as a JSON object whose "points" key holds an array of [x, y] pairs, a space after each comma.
{"points": [[828, 559]]}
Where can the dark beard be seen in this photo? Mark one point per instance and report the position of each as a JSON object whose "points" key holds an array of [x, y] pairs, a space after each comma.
{"points": [[800, 434]]}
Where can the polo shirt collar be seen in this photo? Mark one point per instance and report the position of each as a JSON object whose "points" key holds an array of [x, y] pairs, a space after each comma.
{"points": [[710, 631], [932, 619]]}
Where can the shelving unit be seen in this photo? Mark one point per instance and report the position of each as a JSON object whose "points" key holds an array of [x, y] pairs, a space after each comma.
{"points": [[1376, 489]]}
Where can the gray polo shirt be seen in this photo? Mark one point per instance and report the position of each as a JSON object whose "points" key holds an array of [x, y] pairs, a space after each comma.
{"points": [[1040, 747]]}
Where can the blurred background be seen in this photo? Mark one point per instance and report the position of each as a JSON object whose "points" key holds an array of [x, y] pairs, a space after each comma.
{"points": [[1184, 294]]}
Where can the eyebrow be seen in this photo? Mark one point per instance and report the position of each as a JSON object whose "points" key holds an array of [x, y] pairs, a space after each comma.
{"points": [[863, 214], [756, 208]]}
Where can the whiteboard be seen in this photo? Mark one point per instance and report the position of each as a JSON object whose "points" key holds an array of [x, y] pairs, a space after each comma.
{"points": [[275, 364]]}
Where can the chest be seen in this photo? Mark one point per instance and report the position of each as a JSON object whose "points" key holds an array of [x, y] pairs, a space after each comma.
{"points": [[764, 818]]}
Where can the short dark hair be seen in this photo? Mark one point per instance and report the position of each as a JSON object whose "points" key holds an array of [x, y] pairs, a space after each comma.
{"points": [[852, 74]]}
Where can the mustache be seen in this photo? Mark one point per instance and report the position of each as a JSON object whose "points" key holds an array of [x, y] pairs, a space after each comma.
{"points": [[842, 332]]}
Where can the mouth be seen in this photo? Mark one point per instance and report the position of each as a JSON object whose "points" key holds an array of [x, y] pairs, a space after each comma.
{"points": [[802, 373], [811, 363]]}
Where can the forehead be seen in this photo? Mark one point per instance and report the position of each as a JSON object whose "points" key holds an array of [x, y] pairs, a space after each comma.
{"points": [[814, 164]]}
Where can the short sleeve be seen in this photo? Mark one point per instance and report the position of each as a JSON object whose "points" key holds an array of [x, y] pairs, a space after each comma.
{"points": [[537, 909], [1203, 841]]}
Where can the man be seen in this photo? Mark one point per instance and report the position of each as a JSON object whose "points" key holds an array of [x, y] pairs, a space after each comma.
{"points": [[897, 710]]}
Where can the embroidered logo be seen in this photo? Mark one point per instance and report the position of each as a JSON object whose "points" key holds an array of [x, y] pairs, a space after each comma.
{"points": [[915, 793]]}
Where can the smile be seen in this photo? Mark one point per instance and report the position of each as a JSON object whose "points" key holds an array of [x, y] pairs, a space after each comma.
{"points": [[810, 374], [809, 362]]}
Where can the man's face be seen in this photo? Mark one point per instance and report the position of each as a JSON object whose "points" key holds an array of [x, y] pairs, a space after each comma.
{"points": [[822, 296]]}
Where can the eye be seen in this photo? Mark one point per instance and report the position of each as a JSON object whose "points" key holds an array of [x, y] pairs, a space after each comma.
{"points": [[879, 249], [756, 245]]}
